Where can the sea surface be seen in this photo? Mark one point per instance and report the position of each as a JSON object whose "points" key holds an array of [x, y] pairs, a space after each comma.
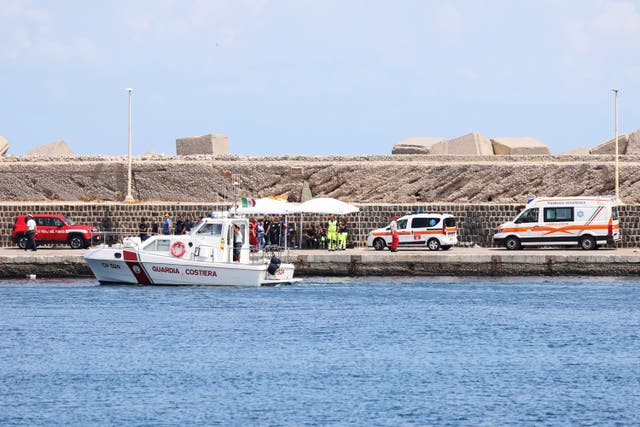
{"points": [[325, 352]]}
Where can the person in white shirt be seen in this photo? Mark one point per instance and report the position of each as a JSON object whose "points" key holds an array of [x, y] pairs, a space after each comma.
{"points": [[394, 235], [238, 241], [31, 233]]}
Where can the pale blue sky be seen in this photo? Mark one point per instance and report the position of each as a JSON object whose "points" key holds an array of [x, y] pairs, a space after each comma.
{"points": [[315, 77]]}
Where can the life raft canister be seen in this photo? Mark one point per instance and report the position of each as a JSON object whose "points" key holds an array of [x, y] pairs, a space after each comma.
{"points": [[178, 249]]}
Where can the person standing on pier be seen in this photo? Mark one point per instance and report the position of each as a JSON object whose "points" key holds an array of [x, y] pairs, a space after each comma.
{"points": [[154, 226], [332, 232], [343, 233], [166, 226], [31, 233], [143, 229], [394, 235], [180, 226], [238, 241]]}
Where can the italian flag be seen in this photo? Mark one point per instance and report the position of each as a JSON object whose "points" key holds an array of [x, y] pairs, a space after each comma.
{"points": [[248, 203]]}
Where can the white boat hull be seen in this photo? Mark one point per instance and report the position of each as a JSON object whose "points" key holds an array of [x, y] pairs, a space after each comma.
{"points": [[129, 266]]}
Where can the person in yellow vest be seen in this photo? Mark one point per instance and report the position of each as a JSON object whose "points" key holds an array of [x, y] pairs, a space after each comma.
{"points": [[343, 232], [332, 232]]}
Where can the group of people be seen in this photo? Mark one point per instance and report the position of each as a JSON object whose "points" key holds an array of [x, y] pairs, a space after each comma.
{"points": [[272, 231], [333, 236], [183, 225]]}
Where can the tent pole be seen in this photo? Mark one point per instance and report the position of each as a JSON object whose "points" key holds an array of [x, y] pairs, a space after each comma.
{"points": [[286, 230], [359, 230], [300, 233]]}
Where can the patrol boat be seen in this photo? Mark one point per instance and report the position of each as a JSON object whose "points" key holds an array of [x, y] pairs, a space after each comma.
{"points": [[203, 257]]}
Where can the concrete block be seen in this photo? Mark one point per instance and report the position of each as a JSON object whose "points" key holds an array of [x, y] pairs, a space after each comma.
{"points": [[609, 146], [205, 144], [420, 145], [4, 145], [580, 151], [633, 146], [56, 148], [470, 144], [518, 145]]}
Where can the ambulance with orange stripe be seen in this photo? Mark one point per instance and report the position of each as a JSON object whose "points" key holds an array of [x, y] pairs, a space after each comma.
{"points": [[588, 222], [433, 230]]}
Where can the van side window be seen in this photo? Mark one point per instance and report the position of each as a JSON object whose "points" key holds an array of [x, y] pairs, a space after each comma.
{"points": [[402, 224], [614, 213], [528, 216], [558, 214], [424, 222]]}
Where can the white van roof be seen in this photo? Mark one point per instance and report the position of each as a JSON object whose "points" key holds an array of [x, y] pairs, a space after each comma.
{"points": [[578, 200]]}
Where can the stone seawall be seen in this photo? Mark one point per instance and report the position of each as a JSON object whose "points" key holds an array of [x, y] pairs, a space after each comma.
{"points": [[476, 222], [410, 179]]}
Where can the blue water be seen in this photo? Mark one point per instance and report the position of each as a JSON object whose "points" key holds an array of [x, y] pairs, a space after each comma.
{"points": [[368, 352]]}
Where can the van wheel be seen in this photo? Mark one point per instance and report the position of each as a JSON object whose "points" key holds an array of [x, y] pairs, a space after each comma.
{"points": [[76, 242], [445, 247], [588, 243], [433, 244], [379, 244], [512, 243], [22, 241]]}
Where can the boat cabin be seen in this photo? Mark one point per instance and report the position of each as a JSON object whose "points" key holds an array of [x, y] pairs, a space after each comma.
{"points": [[212, 239]]}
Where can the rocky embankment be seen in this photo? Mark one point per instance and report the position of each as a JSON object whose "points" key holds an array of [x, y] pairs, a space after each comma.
{"points": [[358, 179]]}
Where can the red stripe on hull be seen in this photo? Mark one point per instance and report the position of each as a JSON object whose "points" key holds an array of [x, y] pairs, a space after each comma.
{"points": [[136, 268]]}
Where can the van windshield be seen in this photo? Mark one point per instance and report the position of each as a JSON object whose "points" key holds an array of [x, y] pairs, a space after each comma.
{"points": [[528, 216]]}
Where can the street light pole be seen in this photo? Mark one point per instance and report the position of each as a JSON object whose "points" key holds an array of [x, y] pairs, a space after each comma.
{"points": [[617, 170], [129, 198]]}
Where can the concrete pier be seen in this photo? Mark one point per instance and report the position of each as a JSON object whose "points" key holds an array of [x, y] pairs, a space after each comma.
{"points": [[56, 263]]}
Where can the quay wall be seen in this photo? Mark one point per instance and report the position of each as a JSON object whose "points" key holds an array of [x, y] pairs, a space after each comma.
{"points": [[476, 221]]}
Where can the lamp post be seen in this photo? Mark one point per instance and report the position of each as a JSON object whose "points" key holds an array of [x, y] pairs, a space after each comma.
{"points": [[617, 170], [129, 198]]}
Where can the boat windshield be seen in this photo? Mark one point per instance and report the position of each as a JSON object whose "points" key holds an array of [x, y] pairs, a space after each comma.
{"points": [[210, 230]]}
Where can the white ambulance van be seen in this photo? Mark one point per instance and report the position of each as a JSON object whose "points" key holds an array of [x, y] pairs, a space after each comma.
{"points": [[588, 222], [432, 230]]}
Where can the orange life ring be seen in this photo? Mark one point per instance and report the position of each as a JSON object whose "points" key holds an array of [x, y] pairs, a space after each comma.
{"points": [[178, 249]]}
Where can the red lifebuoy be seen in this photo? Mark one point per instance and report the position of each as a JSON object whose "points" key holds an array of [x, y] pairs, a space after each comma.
{"points": [[178, 249]]}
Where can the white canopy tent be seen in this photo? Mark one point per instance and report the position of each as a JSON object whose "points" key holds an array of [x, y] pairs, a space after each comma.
{"points": [[327, 206], [267, 205], [320, 205]]}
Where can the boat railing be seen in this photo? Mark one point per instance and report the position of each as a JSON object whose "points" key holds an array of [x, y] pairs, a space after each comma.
{"points": [[265, 255]]}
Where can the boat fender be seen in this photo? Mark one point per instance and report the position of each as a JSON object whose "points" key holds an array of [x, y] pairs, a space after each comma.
{"points": [[274, 265], [178, 249]]}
